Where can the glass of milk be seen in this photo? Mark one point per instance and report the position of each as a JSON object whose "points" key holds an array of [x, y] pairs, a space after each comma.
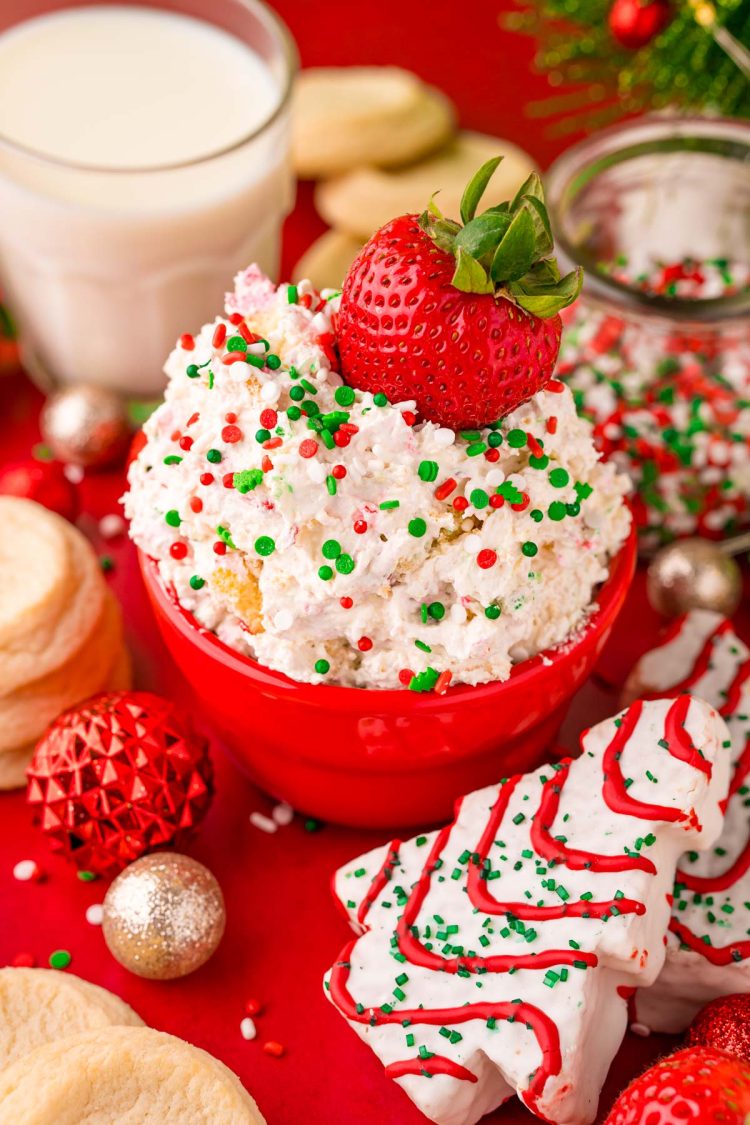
{"points": [[144, 159]]}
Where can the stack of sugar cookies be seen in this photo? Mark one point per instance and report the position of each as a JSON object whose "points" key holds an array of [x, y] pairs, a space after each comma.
{"points": [[381, 142], [60, 628], [72, 1053]]}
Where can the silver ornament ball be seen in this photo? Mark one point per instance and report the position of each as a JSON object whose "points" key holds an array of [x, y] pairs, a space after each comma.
{"points": [[86, 425], [693, 574], [164, 916]]}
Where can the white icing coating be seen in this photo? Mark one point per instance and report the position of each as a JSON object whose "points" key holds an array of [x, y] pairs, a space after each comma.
{"points": [[721, 914], [429, 919], [418, 591]]}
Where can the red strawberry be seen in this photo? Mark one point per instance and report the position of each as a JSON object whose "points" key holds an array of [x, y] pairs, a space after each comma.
{"points": [[700, 1085], [461, 318]]}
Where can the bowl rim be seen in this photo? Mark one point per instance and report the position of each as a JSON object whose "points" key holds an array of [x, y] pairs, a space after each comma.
{"points": [[606, 602]]}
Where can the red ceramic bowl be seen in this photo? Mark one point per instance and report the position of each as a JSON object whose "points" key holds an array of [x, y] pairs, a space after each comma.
{"points": [[382, 758]]}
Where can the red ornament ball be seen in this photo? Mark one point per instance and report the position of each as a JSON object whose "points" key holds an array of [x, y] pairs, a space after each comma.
{"points": [[42, 481], [634, 23], [724, 1024], [116, 777]]}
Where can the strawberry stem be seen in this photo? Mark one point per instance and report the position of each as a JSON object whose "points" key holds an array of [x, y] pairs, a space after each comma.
{"points": [[504, 249]]}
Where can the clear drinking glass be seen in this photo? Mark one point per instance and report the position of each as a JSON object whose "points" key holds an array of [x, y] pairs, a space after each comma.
{"points": [[662, 189], [104, 268]]}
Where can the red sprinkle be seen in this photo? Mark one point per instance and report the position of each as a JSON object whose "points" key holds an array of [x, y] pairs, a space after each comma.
{"points": [[273, 1048], [236, 318], [409, 417], [253, 1007], [341, 438], [266, 464], [406, 676], [305, 300], [552, 425], [441, 683], [268, 418], [349, 428], [443, 491], [496, 500], [186, 443], [230, 417], [460, 503], [233, 357], [247, 334], [193, 418], [346, 603], [196, 504], [522, 504], [308, 448], [364, 644], [338, 471], [555, 386], [486, 558], [187, 342], [492, 455], [220, 335], [220, 548], [534, 446], [178, 549], [228, 480], [207, 478], [360, 526], [272, 443], [175, 435], [24, 961]]}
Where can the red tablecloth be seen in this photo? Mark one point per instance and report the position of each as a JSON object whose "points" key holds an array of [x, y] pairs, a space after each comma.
{"points": [[282, 928]]}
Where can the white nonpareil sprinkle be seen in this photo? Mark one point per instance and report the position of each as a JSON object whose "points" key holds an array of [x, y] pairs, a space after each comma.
{"points": [[95, 914], [283, 814], [25, 870], [640, 1030], [247, 1028], [111, 526], [258, 820]]}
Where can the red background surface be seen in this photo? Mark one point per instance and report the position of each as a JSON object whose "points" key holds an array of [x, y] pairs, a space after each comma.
{"points": [[283, 930]]}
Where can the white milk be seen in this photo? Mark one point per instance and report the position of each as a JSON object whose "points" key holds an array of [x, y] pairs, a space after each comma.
{"points": [[106, 252]]}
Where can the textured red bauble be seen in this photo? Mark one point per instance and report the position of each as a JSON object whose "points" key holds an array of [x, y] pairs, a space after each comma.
{"points": [[724, 1024], [634, 23], [698, 1085], [116, 777], [42, 481]]}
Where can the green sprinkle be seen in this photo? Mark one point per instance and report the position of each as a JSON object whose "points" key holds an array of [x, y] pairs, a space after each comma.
{"points": [[428, 470], [494, 439], [557, 511], [344, 396], [421, 645], [214, 456], [558, 478], [325, 572], [60, 959], [293, 413], [492, 612], [262, 435], [436, 610], [173, 518], [387, 505], [87, 876], [345, 564], [236, 344], [309, 387], [296, 393], [417, 527], [255, 360], [331, 549], [321, 667], [173, 459], [475, 449], [479, 498], [517, 439], [331, 485], [529, 549], [197, 583], [246, 480], [291, 296], [273, 363], [380, 399], [264, 545], [225, 537], [192, 371]]}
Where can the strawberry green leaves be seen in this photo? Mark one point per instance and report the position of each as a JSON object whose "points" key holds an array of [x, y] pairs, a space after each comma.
{"points": [[504, 249]]}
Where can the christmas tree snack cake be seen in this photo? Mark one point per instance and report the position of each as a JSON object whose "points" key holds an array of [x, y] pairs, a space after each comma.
{"points": [[384, 487], [708, 948], [496, 956]]}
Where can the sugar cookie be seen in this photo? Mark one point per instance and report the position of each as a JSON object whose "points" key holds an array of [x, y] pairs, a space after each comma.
{"points": [[123, 1076], [61, 634], [327, 261], [347, 116], [38, 1006], [362, 201]]}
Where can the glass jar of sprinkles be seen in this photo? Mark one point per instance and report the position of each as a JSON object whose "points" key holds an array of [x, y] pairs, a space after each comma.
{"points": [[657, 350]]}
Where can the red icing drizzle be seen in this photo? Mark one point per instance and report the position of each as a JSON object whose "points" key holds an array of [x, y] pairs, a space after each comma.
{"points": [[717, 955], [703, 659], [380, 881], [438, 1064], [543, 1027]]}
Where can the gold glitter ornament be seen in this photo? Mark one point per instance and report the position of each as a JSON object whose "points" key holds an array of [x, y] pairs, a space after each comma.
{"points": [[694, 574], [164, 916], [85, 425]]}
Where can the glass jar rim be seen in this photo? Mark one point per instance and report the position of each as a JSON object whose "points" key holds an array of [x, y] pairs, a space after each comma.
{"points": [[651, 133], [288, 49]]}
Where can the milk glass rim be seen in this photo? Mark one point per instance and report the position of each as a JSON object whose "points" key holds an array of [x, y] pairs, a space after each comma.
{"points": [[650, 134], [290, 58]]}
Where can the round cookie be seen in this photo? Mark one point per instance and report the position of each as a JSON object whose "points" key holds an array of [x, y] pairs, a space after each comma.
{"points": [[347, 116], [367, 198], [123, 1076], [326, 263], [39, 1006]]}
